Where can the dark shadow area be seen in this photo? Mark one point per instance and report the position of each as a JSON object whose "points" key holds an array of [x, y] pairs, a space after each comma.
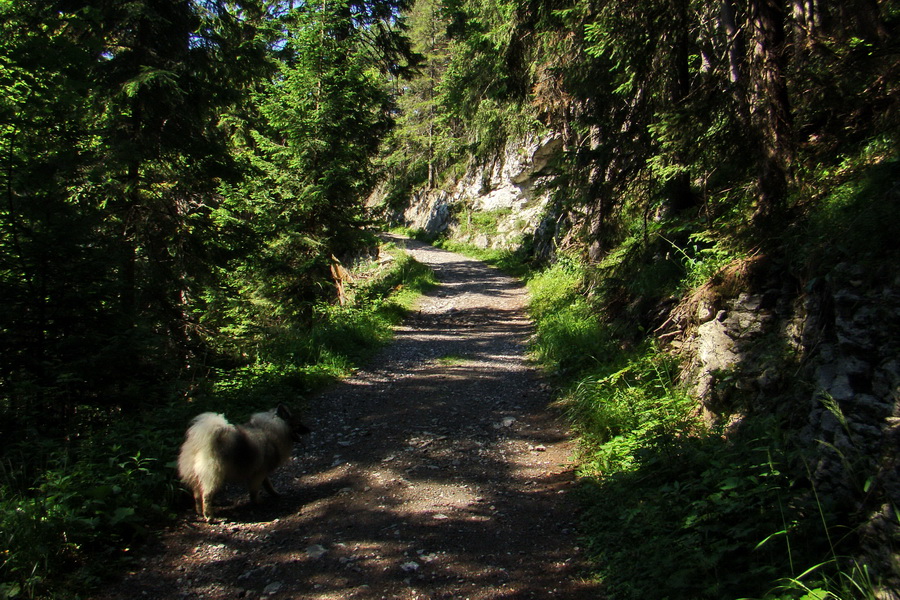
{"points": [[705, 517]]}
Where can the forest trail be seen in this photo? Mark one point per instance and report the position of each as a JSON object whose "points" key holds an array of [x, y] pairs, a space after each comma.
{"points": [[438, 472]]}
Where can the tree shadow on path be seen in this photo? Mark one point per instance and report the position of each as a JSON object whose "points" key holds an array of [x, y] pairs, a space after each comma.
{"points": [[439, 472]]}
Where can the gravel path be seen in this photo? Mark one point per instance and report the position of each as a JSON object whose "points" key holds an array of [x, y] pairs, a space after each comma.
{"points": [[439, 472]]}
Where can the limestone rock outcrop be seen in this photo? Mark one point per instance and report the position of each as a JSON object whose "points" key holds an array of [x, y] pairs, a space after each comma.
{"points": [[507, 192]]}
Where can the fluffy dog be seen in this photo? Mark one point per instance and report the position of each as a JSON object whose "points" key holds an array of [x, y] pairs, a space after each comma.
{"points": [[215, 452]]}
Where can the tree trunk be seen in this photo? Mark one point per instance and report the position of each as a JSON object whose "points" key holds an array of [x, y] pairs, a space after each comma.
{"points": [[735, 42], [769, 106], [859, 18], [678, 189], [128, 293]]}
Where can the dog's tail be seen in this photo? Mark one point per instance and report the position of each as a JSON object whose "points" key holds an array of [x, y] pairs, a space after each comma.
{"points": [[199, 464]]}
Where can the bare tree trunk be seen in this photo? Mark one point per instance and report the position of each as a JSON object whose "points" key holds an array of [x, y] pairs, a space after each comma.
{"points": [[806, 17], [769, 106], [735, 41], [678, 189], [432, 86], [860, 18], [128, 298]]}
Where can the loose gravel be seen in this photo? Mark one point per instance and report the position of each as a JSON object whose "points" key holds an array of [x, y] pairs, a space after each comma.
{"points": [[440, 471]]}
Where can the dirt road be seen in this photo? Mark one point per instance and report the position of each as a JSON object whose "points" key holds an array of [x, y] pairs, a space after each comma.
{"points": [[438, 472]]}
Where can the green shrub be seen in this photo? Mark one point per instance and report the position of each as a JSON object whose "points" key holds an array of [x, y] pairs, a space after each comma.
{"points": [[684, 520], [569, 335], [475, 222], [99, 500], [704, 255], [855, 221], [555, 288], [625, 413]]}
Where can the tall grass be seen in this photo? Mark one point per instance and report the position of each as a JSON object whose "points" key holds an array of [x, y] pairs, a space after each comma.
{"points": [[569, 335], [625, 413]]}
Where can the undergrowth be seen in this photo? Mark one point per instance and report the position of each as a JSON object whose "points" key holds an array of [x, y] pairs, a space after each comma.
{"points": [[673, 508], [69, 509]]}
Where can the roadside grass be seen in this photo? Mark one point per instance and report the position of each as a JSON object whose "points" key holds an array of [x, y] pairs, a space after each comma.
{"points": [[70, 510], [453, 360], [672, 508], [479, 222], [511, 262]]}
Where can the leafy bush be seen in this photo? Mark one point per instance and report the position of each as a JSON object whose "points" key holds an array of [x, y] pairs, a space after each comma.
{"points": [[685, 519], [569, 336], [856, 220], [475, 222], [99, 500], [677, 511], [702, 257], [556, 287], [623, 414]]}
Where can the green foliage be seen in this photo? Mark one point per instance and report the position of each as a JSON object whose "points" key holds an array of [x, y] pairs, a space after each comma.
{"points": [[636, 409], [308, 155], [569, 336], [556, 288], [853, 221], [835, 579], [479, 222], [111, 156], [704, 255], [684, 519], [676, 511], [175, 176], [99, 499], [468, 96], [420, 147], [673, 509]]}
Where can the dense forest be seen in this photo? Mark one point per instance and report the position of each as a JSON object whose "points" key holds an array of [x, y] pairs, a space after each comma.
{"points": [[186, 182]]}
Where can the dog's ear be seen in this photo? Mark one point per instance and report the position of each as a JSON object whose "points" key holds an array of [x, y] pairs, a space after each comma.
{"points": [[298, 429], [283, 412]]}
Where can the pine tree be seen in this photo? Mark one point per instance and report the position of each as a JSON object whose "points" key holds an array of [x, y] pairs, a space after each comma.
{"points": [[320, 122], [112, 155], [421, 144]]}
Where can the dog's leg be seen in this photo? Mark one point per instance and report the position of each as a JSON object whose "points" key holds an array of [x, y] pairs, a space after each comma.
{"points": [[204, 498], [268, 485], [198, 501], [205, 508], [253, 488]]}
